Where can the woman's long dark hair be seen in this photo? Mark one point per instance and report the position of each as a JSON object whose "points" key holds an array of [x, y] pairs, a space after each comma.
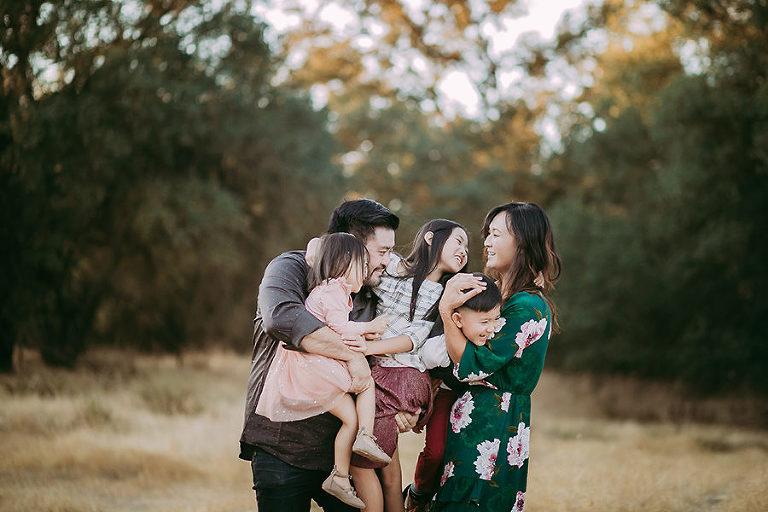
{"points": [[425, 257], [337, 252], [536, 253]]}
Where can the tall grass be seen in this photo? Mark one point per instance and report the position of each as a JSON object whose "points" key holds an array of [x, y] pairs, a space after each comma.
{"points": [[136, 433]]}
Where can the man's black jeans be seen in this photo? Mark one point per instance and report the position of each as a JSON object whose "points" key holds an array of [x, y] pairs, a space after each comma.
{"points": [[281, 487]]}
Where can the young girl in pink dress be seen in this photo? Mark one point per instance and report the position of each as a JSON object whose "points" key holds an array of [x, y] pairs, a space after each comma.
{"points": [[300, 385]]}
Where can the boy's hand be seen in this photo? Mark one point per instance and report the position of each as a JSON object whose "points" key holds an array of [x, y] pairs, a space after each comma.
{"points": [[435, 384]]}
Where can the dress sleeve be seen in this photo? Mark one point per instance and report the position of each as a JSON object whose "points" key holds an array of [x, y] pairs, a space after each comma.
{"points": [[336, 303], [522, 324], [281, 299]]}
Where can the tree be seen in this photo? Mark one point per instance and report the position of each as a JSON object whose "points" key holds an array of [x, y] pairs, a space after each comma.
{"points": [[661, 225], [147, 160]]}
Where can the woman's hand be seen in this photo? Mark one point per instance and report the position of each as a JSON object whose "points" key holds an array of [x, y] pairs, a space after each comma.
{"points": [[458, 290]]}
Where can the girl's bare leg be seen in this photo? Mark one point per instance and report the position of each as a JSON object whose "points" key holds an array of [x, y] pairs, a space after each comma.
{"points": [[366, 407], [368, 488], [392, 485], [342, 446]]}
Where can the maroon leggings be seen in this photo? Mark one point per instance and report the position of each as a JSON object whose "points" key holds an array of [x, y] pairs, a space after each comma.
{"points": [[427, 475]]}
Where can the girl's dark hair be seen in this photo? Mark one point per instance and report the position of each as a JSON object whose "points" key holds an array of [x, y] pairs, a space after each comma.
{"points": [[424, 257], [487, 299], [336, 253], [536, 252]]}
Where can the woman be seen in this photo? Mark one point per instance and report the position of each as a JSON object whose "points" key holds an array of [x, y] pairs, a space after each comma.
{"points": [[486, 454]]}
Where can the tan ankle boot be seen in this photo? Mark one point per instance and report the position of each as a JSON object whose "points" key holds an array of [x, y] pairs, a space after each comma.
{"points": [[365, 445], [345, 494]]}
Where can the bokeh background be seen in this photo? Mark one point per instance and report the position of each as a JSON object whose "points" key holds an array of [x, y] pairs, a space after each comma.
{"points": [[155, 155]]}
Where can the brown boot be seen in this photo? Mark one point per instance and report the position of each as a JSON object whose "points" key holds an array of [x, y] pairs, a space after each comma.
{"points": [[344, 493], [411, 504], [365, 445]]}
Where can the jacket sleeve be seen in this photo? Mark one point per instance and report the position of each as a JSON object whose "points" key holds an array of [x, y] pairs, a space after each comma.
{"points": [[281, 299]]}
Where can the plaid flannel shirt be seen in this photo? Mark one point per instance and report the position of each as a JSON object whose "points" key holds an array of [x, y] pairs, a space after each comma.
{"points": [[395, 301]]}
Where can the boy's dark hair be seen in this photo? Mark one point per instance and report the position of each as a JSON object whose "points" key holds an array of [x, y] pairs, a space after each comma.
{"points": [[336, 253], [484, 301], [361, 217], [487, 299]]}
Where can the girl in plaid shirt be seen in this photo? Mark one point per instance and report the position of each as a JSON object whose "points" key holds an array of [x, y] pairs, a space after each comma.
{"points": [[409, 288]]}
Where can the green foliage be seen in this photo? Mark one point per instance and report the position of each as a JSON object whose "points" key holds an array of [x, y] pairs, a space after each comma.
{"points": [[424, 170], [662, 232], [142, 186]]}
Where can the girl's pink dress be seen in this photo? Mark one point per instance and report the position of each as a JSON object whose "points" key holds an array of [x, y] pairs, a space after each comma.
{"points": [[301, 385]]}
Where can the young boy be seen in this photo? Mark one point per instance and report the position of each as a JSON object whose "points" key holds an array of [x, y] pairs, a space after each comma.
{"points": [[478, 319]]}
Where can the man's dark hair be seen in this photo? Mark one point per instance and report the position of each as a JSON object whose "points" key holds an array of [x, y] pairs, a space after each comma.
{"points": [[487, 299], [361, 217]]}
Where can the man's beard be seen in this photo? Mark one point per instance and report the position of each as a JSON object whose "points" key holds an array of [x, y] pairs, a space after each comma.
{"points": [[375, 277]]}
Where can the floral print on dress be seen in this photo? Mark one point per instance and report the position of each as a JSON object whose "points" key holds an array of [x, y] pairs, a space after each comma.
{"points": [[518, 446], [447, 473], [505, 398], [460, 413], [490, 475], [501, 322], [530, 331], [486, 461], [474, 379], [519, 502]]}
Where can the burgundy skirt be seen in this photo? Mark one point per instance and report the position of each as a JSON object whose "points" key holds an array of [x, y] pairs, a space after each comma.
{"points": [[397, 389]]}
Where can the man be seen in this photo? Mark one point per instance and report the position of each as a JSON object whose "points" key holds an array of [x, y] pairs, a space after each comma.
{"points": [[290, 460]]}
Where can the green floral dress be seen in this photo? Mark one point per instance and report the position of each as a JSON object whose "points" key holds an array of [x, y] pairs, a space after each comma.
{"points": [[486, 453]]}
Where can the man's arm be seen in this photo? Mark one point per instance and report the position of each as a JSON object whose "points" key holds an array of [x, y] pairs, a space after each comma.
{"points": [[281, 301], [328, 343]]}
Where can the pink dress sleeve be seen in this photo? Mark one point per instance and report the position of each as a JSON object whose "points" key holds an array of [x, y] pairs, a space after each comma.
{"points": [[331, 303]]}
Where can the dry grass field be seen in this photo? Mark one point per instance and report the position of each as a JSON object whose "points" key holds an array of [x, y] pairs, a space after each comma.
{"points": [[138, 433]]}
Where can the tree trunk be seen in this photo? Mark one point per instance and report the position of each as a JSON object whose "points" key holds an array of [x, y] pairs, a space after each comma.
{"points": [[6, 353]]}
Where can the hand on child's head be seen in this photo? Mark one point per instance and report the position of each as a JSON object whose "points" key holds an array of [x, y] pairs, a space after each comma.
{"points": [[313, 246]]}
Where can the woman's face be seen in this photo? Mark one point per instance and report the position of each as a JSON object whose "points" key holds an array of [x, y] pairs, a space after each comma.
{"points": [[500, 244], [454, 255]]}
